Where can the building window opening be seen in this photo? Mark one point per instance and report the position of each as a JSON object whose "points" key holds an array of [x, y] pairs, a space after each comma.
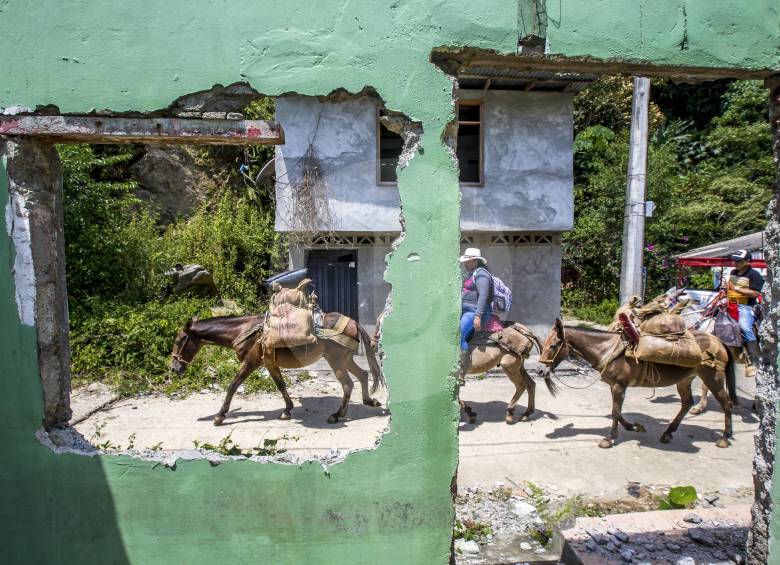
{"points": [[470, 142], [390, 146]]}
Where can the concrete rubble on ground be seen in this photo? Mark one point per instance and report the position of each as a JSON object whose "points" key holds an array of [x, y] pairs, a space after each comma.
{"points": [[505, 522], [711, 535], [511, 519]]}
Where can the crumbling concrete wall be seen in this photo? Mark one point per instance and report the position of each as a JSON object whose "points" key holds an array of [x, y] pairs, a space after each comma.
{"points": [[34, 220], [767, 378], [389, 505]]}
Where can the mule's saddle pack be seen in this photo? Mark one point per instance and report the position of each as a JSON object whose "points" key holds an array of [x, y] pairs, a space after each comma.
{"points": [[656, 334]]}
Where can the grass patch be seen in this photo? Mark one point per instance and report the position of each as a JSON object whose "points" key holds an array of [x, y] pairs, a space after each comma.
{"points": [[471, 530], [228, 447], [556, 515]]}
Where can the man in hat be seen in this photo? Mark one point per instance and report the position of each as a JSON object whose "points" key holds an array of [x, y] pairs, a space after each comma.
{"points": [[744, 287], [476, 295]]}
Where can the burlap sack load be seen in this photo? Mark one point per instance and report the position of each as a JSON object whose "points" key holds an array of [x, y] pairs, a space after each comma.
{"points": [[664, 339], [290, 322], [663, 324]]}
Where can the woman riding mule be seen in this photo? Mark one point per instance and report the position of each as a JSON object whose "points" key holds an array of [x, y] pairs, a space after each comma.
{"points": [[606, 352], [243, 333]]}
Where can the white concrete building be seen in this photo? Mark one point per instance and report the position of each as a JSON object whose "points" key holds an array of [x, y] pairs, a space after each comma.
{"points": [[514, 145]]}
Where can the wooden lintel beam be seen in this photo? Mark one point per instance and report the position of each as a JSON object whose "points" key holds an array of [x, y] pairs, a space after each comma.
{"points": [[81, 129]]}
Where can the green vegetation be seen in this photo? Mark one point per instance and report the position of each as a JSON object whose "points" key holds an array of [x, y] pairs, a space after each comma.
{"points": [[227, 446], [679, 498], [471, 530], [710, 174], [576, 304], [555, 516], [122, 327]]}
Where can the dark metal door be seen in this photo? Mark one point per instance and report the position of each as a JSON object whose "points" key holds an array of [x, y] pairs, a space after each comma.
{"points": [[335, 279]]}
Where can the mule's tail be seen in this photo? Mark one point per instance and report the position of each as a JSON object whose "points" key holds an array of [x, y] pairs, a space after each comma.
{"points": [[373, 363], [731, 377]]}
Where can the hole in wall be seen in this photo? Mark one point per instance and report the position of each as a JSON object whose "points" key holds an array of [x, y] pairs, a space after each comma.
{"points": [[168, 248], [512, 479]]}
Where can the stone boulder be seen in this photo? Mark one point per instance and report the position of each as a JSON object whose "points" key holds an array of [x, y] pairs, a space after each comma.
{"points": [[170, 181], [193, 280]]}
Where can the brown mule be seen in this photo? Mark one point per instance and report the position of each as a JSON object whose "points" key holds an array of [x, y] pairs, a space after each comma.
{"points": [[225, 331], [511, 358], [604, 351]]}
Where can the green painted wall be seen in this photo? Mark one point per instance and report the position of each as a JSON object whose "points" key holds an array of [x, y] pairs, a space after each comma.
{"points": [[391, 505], [707, 33]]}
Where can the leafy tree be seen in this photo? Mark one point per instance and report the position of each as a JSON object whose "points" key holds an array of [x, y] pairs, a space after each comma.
{"points": [[109, 237], [709, 182]]}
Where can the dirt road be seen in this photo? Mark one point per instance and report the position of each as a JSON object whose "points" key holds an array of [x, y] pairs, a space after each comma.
{"points": [[557, 448]]}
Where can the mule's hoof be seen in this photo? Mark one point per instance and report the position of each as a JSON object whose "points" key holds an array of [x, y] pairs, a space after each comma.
{"points": [[696, 410], [509, 419], [606, 443], [722, 442], [524, 418], [666, 438], [372, 402], [333, 418], [284, 416], [218, 419], [472, 418], [639, 428]]}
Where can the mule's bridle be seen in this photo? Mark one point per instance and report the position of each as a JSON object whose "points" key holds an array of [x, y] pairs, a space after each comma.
{"points": [[177, 356], [551, 362]]}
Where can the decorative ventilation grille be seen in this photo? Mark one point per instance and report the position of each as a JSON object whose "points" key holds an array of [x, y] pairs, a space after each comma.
{"points": [[524, 239], [367, 240], [350, 240]]}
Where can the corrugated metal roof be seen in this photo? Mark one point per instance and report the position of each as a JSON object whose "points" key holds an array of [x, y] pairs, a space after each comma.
{"points": [[753, 242]]}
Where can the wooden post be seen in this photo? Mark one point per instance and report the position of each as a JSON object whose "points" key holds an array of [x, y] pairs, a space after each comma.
{"points": [[634, 216]]}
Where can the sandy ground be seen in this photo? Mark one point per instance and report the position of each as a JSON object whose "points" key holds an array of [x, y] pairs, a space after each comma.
{"points": [[157, 421], [557, 448]]}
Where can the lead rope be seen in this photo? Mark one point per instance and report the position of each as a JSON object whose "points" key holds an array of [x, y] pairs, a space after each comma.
{"points": [[610, 358]]}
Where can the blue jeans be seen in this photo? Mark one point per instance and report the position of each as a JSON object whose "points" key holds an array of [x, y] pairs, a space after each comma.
{"points": [[466, 329], [746, 318]]}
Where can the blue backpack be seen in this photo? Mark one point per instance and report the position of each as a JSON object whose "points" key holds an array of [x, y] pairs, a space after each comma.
{"points": [[501, 299]]}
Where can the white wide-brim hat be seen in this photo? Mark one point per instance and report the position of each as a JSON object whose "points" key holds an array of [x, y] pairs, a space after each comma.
{"points": [[472, 253]]}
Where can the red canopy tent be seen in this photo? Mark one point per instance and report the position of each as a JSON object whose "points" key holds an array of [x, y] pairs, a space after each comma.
{"points": [[719, 254]]}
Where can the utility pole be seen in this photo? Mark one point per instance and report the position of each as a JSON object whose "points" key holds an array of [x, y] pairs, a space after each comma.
{"points": [[634, 216]]}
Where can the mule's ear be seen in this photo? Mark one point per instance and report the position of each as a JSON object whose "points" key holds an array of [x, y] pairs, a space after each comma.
{"points": [[189, 322], [558, 325]]}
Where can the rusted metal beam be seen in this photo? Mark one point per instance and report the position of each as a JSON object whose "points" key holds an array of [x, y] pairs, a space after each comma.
{"points": [[81, 129]]}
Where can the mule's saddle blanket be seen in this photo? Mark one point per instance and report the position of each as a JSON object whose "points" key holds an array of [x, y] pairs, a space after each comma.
{"points": [[499, 338], [336, 333]]}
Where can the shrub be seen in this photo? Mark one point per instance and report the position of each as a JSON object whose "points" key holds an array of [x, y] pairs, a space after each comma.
{"points": [[576, 305], [129, 346], [235, 240]]}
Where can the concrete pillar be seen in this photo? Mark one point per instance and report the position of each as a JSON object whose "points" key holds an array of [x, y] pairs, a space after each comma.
{"points": [[35, 214], [767, 377], [631, 269]]}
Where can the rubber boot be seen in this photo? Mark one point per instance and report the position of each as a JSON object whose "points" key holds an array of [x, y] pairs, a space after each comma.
{"points": [[753, 355]]}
